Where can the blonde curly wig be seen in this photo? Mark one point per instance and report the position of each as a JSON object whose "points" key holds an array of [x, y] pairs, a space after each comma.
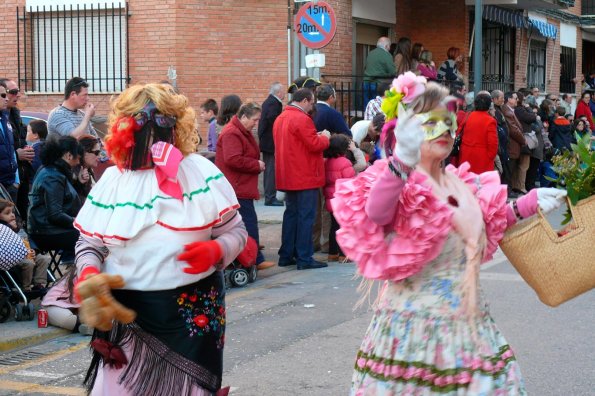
{"points": [[168, 102]]}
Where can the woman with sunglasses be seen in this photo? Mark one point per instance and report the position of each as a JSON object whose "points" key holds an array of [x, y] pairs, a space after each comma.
{"points": [[53, 201], [85, 177], [423, 231], [156, 231]]}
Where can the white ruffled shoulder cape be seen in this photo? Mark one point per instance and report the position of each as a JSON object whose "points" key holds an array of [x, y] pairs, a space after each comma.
{"points": [[124, 203]]}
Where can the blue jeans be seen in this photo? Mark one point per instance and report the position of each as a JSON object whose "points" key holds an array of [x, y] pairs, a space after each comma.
{"points": [[251, 222], [369, 93], [298, 220]]}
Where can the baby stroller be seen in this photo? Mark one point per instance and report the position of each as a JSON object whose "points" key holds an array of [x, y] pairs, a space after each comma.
{"points": [[14, 299], [243, 269]]}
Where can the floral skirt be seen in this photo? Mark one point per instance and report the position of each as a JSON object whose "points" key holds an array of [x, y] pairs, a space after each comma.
{"points": [[175, 345], [420, 353]]}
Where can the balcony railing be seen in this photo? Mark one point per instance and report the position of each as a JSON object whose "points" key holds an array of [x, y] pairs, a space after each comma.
{"points": [[491, 82]]}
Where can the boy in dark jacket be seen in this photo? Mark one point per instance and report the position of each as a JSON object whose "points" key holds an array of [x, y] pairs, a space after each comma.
{"points": [[560, 131], [37, 132]]}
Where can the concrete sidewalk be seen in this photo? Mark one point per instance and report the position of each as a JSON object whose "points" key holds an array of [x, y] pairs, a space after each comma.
{"points": [[16, 335]]}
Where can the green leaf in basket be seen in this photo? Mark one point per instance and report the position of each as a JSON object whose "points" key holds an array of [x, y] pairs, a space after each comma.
{"points": [[575, 169], [567, 217], [573, 195]]}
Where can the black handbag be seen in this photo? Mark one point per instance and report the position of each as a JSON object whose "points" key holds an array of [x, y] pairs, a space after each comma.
{"points": [[456, 147]]}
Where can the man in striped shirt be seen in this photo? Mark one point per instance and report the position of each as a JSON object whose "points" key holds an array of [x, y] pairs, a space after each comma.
{"points": [[374, 105]]}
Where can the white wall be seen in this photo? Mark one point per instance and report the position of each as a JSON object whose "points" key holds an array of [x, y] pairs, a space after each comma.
{"points": [[567, 35]]}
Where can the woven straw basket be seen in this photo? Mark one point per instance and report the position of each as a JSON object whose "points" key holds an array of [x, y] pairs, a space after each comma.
{"points": [[557, 268]]}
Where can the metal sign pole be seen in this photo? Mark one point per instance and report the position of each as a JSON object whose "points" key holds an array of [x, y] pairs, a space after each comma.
{"points": [[289, 43], [478, 75]]}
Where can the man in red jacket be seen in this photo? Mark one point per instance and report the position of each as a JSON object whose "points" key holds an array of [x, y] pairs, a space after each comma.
{"points": [[299, 171]]}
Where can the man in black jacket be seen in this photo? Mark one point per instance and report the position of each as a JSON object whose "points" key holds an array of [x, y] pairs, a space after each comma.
{"points": [[24, 153], [271, 108], [498, 100]]}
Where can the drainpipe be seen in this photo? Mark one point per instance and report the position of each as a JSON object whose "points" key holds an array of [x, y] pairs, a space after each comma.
{"points": [[477, 72], [288, 43]]}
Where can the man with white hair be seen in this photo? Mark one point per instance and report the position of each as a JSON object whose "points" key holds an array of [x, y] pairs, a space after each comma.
{"points": [[271, 108], [379, 67]]}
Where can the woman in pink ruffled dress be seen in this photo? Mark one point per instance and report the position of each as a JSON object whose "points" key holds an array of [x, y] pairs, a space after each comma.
{"points": [[424, 231]]}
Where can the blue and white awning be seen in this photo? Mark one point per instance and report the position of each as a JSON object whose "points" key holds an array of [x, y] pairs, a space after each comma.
{"points": [[547, 30], [506, 17]]}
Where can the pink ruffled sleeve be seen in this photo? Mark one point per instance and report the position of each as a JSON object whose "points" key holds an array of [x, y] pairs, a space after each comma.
{"points": [[386, 189], [492, 196], [413, 237]]}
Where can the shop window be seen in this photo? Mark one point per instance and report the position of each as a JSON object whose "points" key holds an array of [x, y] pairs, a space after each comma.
{"points": [[58, 42]]}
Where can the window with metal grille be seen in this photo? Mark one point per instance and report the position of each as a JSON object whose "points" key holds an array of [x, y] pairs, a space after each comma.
{"points": [[588, 7], [536, 65], [498, 58], [567, 69], [56, 43]]}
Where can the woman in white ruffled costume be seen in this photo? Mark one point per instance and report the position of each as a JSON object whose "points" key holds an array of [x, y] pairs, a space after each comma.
{"points": [[156, 231], [424, 230]]}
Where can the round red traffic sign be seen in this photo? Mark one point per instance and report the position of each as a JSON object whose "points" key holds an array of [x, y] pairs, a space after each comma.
{"points": [[315, 24]]}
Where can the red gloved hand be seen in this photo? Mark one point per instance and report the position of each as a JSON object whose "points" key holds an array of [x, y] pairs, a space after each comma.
{"points": [[201, 256]]}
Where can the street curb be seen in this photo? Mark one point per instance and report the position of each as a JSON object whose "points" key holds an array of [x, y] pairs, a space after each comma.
{"points": [[10, 345]]}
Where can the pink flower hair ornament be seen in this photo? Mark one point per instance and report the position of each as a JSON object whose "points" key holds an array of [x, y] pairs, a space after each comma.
{"points": [[404, 90]]}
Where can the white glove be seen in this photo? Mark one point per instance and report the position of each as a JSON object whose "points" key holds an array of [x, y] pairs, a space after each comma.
{"points": [[549, 199], [410, 136], [325, 133]]}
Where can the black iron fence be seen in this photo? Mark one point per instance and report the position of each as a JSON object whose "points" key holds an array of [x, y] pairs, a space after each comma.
{"points": [[353, 93], [56, 43]]}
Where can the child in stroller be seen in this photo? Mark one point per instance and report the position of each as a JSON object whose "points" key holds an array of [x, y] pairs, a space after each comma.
{"points": [[243, 269], [33, 268], [16, 290]]}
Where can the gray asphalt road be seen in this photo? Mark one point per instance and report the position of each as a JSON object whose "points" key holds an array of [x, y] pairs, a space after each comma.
{"points": [[296, 333]]}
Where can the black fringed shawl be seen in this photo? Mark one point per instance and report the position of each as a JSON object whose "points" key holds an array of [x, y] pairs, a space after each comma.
{"points": [[176, 340]]}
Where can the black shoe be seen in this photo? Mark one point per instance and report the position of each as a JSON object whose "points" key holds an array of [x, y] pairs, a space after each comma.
{"points": [[285, 263], [312, 265], [274, 203], [518, 192]]}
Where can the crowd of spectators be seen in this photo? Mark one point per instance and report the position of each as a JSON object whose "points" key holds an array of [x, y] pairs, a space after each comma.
{"points": [[47, 169]]}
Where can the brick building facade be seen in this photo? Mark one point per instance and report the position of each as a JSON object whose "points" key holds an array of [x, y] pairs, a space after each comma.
{"points": [[449, 24]]}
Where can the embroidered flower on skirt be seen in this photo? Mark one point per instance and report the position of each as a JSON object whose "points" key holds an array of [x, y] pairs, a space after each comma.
{"points": [[203, 312]]}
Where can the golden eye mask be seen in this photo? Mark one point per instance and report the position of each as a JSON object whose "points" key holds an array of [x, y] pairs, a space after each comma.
{"points": [[435, 123]]}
